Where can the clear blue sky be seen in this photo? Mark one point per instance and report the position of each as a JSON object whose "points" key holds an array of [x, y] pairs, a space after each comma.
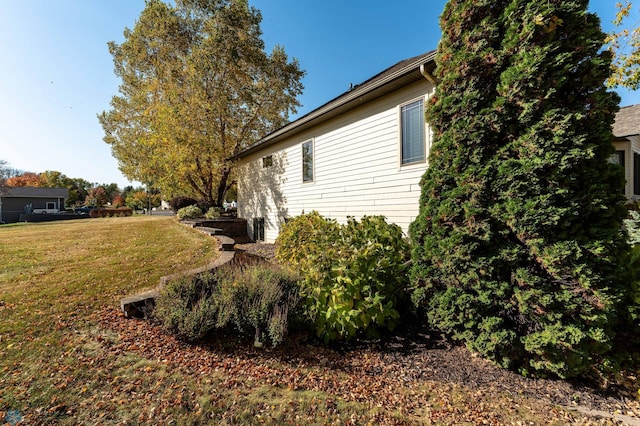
{"points": [[57, 74]]}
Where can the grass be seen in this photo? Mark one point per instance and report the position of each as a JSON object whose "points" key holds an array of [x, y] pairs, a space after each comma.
{"points": [[62, 362], [55, 276]]}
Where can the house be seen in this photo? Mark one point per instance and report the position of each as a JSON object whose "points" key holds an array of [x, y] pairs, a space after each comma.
{"points": [[626, 130], [363, 153], [18, 200]]}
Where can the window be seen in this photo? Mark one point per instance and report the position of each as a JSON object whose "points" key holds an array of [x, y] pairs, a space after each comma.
{"points": [[412, 132], [258, 229], [51, 205], [307, 161], [267, 161], [617, 158]]}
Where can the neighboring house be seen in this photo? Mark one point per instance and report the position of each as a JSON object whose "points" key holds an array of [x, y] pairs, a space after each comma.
{"points": [[363, 153], [17, 200], [626, 130]]}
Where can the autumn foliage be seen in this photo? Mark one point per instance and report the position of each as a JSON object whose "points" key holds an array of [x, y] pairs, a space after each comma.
{"points": [[25, 179]]}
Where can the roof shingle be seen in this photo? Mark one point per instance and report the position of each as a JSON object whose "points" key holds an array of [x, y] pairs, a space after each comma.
{"points": [[627, 121]]}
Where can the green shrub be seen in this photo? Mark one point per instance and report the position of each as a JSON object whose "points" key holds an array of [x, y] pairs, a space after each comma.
{"points": [[307, 240], [186, 306], [353, 275], [212, 213], [255, 300], [189, 212]]}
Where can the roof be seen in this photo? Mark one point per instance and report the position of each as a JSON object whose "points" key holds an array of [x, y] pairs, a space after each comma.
{"points": [[35, 192], [401, 74], [627, 121]]}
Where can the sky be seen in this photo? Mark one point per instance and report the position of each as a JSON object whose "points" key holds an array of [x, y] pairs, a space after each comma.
{"points": [[57, 73]]}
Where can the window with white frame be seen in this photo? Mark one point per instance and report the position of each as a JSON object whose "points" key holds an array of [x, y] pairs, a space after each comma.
{"points": [[307, 161], [413, 132]]}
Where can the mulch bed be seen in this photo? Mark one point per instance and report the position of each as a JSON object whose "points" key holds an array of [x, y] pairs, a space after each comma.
{"points": [[375, 370], [372, 373]]}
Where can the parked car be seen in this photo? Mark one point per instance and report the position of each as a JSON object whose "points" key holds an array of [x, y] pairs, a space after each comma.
{"points": [[83, 209]]}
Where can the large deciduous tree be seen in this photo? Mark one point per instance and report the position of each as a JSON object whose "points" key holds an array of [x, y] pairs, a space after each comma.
{"points": [[625, 45], [519, 250], [197, 87]]}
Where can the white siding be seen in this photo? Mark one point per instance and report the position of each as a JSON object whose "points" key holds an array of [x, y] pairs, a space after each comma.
{"points": [[357, 169]]}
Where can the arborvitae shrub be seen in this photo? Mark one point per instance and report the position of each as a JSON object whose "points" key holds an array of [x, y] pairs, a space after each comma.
{"points": [[353, 275], [518, 248]]}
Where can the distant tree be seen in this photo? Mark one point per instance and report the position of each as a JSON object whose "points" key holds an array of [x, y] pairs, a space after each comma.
{"points": [[54, 179], [126, 190], [118, 201], [7, 172], [625, 45], [4, 175], [519, 251], [140, 198], [137, 200], [25, 179], [97, 197], [78, 191], [112, 190], [197, 87]]}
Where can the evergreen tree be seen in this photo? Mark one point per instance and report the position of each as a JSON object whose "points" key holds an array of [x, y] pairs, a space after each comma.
{"points": [[518, 246]]}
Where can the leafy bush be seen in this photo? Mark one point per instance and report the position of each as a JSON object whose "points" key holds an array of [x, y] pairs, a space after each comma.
{"points": [[178, 203], [307, 232], [189, 212], [254, 300], [212, 213], [353, 275]]}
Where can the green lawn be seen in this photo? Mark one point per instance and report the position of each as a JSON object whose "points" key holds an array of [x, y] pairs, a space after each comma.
{"points": [[68, 356]]}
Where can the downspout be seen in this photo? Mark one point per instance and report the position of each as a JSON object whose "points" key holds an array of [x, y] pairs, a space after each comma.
{"points": [[427, 75], [433, 81]]}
